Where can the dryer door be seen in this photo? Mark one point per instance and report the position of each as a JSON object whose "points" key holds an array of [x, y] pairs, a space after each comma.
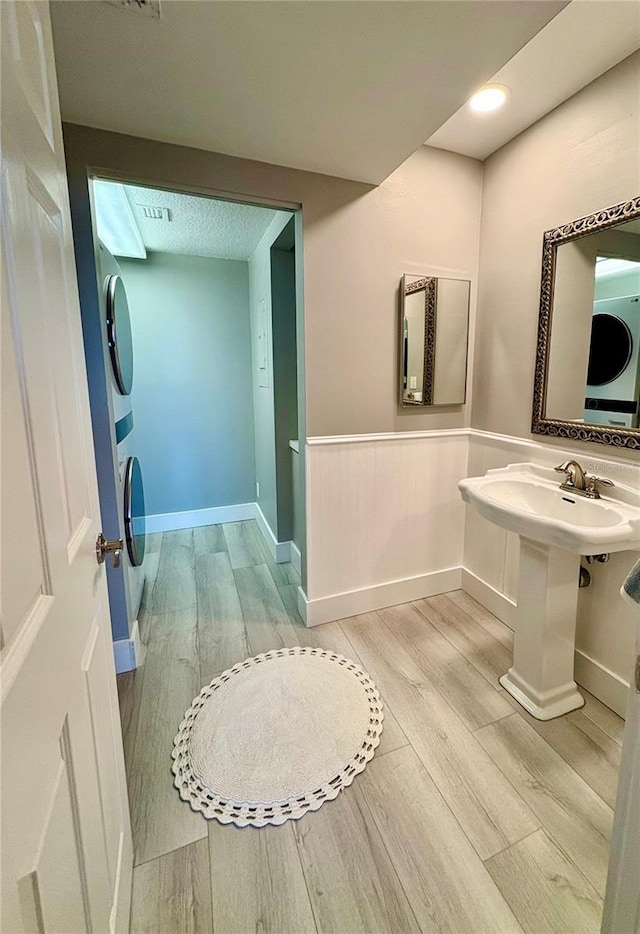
{"points": [[119, 334], [611, 349], [134, 512]]}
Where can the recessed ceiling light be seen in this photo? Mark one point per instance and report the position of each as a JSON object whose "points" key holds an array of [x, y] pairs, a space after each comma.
{"points": [[489, 98]]}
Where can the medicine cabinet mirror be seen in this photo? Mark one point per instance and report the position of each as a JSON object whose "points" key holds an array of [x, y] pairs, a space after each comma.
{"points": [[587, 377], [434, 333]]}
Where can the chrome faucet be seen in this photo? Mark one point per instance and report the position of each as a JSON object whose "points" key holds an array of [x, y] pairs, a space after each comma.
{"points": [[578, 482]]}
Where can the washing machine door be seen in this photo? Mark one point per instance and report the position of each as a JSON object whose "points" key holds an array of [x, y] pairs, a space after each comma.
{"points": [[134, 512], [610, 351], [119, 334]]}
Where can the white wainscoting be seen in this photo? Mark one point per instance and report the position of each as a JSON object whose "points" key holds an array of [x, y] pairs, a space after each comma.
{"points": [[605, 638], [385, 522]]}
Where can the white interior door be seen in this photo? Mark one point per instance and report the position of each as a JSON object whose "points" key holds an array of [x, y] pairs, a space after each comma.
{"points": [[66, 839], [622, 902]]}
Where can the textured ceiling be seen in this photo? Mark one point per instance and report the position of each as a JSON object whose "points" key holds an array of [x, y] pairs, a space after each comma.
{"points": [[347, 88], [198, 226]]}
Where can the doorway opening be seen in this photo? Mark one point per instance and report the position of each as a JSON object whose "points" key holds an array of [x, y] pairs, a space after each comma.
{"points": [[199, 303]]}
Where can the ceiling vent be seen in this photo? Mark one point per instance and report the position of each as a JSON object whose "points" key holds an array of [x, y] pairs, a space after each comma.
{"points": [[155, 214], [150, 8]]}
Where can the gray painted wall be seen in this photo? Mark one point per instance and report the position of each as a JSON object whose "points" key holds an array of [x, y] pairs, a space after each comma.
{"points": [[192, 391], [581, 157], [358, 241]]}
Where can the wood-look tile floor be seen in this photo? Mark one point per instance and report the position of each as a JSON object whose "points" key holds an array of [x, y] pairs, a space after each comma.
{"points": [[472, 817]]}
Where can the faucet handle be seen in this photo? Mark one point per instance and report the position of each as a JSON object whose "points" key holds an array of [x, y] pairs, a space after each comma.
{"points": [[573, 471], [592, 484]]}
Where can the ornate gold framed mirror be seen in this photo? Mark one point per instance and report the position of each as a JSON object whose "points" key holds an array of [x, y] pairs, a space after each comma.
{"points": [[587, 374]]}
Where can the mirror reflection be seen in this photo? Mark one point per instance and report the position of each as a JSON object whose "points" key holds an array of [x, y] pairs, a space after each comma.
{"points": [[594, 347], [433, 340]]}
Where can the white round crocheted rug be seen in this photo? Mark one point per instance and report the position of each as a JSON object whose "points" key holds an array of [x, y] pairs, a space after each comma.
{"points": [[276, 736]]}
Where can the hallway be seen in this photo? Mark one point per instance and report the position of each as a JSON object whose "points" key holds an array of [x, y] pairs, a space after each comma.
{"points": [[472, 817]]}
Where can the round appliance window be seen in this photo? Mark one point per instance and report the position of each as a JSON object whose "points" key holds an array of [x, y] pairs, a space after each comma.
{"points": [[119, 334], [610, 350], [134, 513]]}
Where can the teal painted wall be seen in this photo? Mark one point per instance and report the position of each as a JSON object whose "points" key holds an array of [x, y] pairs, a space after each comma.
{"points": [[285, 377], [192, 394]]}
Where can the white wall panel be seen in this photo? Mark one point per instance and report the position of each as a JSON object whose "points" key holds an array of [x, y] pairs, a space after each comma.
{"points": [[383, 508]]}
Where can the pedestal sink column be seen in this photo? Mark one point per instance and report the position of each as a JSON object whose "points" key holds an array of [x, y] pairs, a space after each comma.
{"points": [[541, 678]]}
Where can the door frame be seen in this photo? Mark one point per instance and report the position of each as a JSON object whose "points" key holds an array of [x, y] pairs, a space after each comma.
{"points": [[85, 245], [622, 899]]}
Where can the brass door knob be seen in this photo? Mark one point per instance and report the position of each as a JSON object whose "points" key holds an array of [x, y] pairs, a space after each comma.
{"points": [[106, 547]]}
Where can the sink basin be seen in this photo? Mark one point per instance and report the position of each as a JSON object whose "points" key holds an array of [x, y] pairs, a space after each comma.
{"points": [[527, 499], [555, 528]]}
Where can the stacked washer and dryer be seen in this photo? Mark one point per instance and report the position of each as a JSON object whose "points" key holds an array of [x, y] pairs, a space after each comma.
{"points": [[613, 381], [130, 490]]}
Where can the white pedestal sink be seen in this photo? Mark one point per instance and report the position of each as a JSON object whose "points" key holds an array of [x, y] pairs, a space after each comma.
{"points": [[555, 527]]}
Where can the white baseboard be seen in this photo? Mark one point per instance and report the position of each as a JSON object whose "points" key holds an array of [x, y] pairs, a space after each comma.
{"points": [[296, 557], [129, 653], [302, 605], [191, 519], [595, 677], [280, 551], [353, 602], [490, 598], [603, 683], [170, 521]]}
